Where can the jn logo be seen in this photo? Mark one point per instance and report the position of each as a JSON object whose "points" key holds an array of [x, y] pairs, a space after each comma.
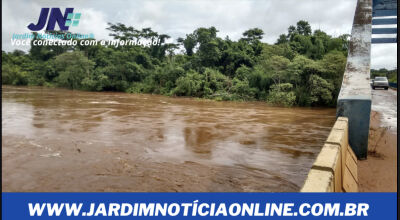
{"points": [[64, 21]]}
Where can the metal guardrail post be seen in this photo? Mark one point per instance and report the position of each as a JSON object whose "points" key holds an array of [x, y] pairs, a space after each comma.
{"points": [[354, 101]]}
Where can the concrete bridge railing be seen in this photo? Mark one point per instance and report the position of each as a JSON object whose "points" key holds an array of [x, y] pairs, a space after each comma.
{"points": [[335, 169]]}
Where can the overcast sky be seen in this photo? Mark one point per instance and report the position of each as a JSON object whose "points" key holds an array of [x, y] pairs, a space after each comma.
{"points": [[179, 17]]}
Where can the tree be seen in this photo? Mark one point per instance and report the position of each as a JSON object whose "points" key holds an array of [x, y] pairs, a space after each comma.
{"points": [[215, 82], [252, 35], [291, 32], [13, 75], [299, 69], [18, 53], [320, 90], [303, 28], [333, 65], [209, 52], [276, 66], [121, 32], [281, 94], [189, 85], [282, 39], [188, 43], [242, 89], [72, 68], [45, 52]]}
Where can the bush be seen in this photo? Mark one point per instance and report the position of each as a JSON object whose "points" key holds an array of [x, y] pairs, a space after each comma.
{"points": [[72, 67], [189, 85], [282, 95], [142, 87], [13, 75], [215, 82], [242, 90], [320, 90]]}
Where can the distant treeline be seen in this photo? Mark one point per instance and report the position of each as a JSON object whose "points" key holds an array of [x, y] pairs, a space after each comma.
{"points": [[390, 74], [302, 68]]}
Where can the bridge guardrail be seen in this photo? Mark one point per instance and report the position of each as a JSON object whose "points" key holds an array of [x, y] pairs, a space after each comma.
{"points": [[393, 85], [335, 169]]}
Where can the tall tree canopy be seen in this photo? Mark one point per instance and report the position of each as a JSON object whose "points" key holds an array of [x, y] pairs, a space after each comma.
{"points": [[302, 68]]}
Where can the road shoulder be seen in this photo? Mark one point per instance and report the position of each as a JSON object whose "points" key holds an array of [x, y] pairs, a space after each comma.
{"points": [[379, 172]]}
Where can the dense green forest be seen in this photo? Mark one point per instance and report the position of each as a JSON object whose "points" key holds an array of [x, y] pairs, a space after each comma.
{"points": [[303, 67], [390, 74]]}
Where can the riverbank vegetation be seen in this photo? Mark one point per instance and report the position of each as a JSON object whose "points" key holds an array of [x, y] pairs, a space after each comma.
{"points": [[303, 67], [390, 74]]}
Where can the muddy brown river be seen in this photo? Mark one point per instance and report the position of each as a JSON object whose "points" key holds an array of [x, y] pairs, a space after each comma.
{"points": [[63, 140]]}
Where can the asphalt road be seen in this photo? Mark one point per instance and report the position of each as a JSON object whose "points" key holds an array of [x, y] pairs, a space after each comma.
{"points": [[385, 102]]}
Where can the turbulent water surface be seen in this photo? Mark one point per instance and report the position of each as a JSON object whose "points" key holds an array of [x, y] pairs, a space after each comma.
{"points": [[63, 140]]}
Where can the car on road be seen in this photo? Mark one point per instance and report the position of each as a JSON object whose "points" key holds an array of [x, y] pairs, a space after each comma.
{"points": [[380, 82]]}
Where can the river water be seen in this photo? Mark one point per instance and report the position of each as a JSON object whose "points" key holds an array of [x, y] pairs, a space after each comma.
{"points": [[63, 140]]}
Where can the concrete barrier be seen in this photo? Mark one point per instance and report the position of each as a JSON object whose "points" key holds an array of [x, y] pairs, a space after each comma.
{"points": [[335, 169]]}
